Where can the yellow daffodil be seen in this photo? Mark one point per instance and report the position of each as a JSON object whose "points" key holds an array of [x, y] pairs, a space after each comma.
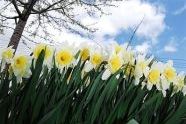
{"points": [[114, 64], [6, 57], [117, 48], [96, 57], [7, 54], [84, 51], [128, 56], [142, 67], [39, 48], [64, 58], [179, 83], [48, 54], [21, 67], [154, 74], [168, 75]]}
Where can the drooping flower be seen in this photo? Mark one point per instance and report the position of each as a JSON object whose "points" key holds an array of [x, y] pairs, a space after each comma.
{"points": [[21, 67], [39, 48], [48, 53], [84, 51], [115, 62]]}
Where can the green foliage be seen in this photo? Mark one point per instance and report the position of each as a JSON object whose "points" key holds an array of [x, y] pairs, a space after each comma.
{"points": [[71, 96]]}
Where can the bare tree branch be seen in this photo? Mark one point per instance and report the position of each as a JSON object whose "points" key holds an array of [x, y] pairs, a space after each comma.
{"points": [[58, 14], [16, 7]]}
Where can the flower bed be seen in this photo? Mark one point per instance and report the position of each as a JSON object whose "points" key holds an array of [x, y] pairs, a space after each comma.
{"points": [[89, 84]]}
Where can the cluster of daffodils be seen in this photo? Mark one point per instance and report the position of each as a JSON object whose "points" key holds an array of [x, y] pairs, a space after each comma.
{"points": [[18, 65], [146, 71]]}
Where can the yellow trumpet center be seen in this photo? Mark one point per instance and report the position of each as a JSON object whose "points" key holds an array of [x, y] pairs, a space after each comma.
{"points": [[64, 57], [115, 63], [169, 73], [154, 76], [20, 62], [96, 59]]}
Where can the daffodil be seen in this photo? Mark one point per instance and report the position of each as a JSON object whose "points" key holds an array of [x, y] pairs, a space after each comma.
{"points": [[21, 67], [6, 55], [117, 48], [142, 67], [96, 58], [48, 53], [179, 83], [168, 76], [128, 55], [115, 62], [153, 77], [39, 48], [84, 51], [64, 58], [129, 70]]}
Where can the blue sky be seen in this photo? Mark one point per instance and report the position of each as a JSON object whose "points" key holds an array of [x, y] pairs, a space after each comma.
{"points": [[176, 32], [171, 43]]}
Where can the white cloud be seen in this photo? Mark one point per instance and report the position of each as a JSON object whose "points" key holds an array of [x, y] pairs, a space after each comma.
{"points": [[127, 16], [143, 48], [180, 10], [171, 47]]}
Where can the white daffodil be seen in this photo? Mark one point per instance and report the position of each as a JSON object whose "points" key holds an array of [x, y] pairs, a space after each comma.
{"points": [[84, 51], [94, 62], [115, 62], [141, 67], [6, 56], [96, 58], [65, 57], [128, 55], [129, 70], [153, 77], [116, 47], [48, 53], [168, 75], [179, 83], [21, 67]]}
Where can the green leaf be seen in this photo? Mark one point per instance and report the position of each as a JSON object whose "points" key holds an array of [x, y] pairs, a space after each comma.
{"points": [[179, 114]]}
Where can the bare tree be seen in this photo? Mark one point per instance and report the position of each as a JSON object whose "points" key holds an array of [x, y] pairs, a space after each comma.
{"points": [[43, 13]]}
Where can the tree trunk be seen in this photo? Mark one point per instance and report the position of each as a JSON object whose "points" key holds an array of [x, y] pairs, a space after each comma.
{"points": [[16, 36]]}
